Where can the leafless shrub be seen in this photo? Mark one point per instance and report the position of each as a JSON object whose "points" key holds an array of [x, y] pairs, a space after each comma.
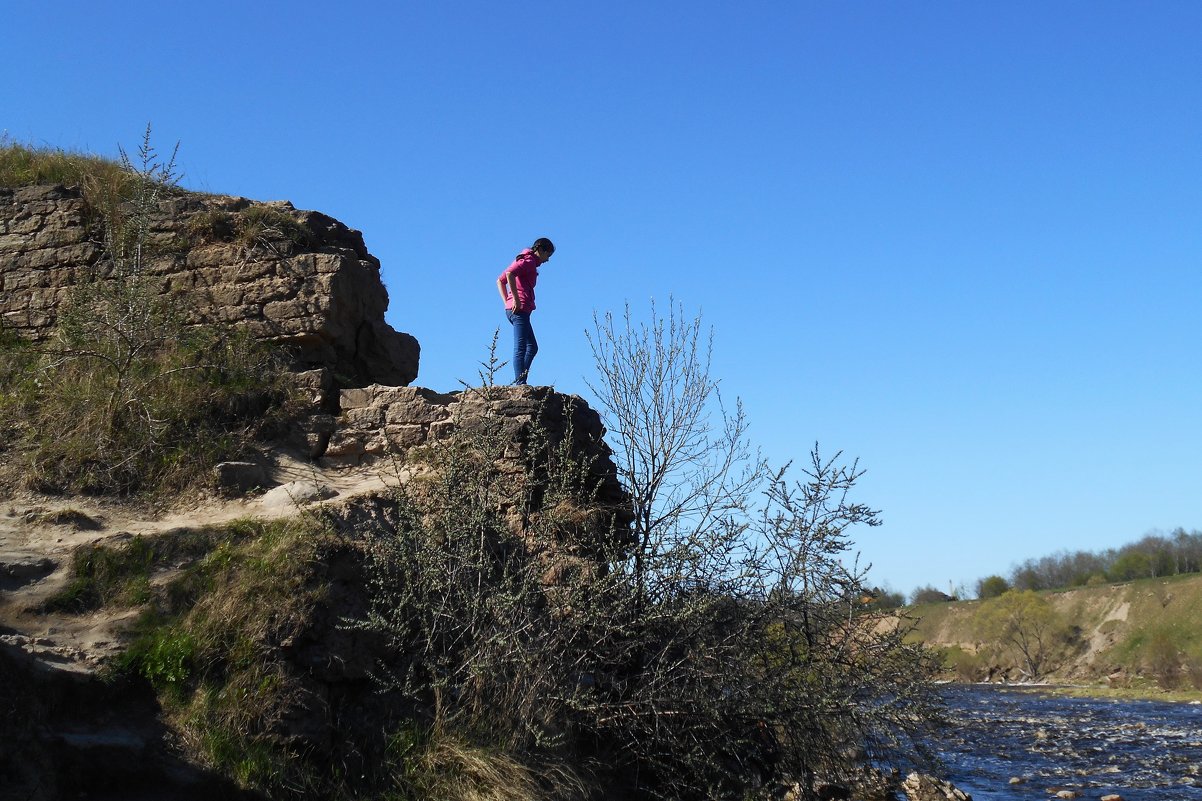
{"points": [[723, 650]]}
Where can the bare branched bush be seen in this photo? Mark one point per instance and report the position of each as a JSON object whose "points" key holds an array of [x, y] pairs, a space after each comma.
{"points": [[755, 662], [682, 455], [465, 594], [724, 651]]}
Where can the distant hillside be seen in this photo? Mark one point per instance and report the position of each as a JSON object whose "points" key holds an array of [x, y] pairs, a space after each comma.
{"points": [[1130, 634]]}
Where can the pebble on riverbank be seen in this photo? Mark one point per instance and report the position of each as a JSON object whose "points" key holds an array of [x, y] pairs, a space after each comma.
{"points": [[921, 787]]}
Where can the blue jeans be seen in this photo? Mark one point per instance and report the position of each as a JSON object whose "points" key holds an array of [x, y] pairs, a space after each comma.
{"points": [[524, 345]]}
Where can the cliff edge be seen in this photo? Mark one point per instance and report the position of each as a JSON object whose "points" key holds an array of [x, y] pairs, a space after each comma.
{"points": [[280, 538]]}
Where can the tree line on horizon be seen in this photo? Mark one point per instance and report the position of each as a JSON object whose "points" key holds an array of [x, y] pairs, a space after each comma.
{"points": [[1152, 556]]}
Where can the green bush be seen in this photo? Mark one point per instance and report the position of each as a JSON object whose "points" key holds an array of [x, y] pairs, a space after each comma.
{"points": [[1130, 565], [1193, 666], [878, 599], [929, 595], [992, 587], [966, 665], [1162, 656]]}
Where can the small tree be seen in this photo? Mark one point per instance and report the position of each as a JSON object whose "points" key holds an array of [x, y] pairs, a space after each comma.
{"points": [[1131, 564], [681, 454], [929, 595], [883, 598], [127, 396], [1024, 622], [991, 587]]}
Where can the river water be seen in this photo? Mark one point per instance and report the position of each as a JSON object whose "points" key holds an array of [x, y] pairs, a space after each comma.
{"points": [[1140, 750]]}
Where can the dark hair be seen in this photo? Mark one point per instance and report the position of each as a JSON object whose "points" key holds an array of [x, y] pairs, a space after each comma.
{"points": [[543, 244]]}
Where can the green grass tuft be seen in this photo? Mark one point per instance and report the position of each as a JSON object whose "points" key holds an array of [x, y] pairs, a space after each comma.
{"points": [[120, 574], [266, 225], [209, 641]]}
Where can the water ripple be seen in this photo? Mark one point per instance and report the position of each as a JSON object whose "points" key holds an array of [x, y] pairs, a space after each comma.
{"points": [[1141, 750]]}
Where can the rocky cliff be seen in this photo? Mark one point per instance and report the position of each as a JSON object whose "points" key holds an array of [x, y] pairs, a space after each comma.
{"points": [[68, 730], [296, 278], [73, 722]]}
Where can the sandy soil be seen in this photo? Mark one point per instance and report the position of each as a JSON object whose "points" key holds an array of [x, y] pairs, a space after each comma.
{"points": [[39, 533]]}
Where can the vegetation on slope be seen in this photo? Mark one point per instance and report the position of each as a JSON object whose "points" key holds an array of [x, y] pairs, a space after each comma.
{"points": [[707, 681], [212, 638], [125, 397], [1153, 556], [517, 653], [1138, 633]]}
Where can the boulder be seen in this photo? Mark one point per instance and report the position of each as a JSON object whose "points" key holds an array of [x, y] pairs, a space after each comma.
{"points": [[389, 425], [297, 494], [921, 787], [240, 478]]}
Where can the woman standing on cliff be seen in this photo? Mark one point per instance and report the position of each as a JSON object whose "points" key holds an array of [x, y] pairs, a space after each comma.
{"points": [[516, 285]]}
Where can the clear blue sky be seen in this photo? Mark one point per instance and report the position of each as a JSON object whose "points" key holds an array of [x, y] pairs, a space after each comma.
{"points": [[957, 240]]}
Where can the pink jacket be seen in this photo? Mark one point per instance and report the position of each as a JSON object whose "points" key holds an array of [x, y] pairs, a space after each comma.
{"points": [[525, 274]]}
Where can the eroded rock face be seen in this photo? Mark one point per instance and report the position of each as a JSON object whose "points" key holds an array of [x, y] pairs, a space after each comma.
{"points": [[378, 422], [336, 713], [297, 278]]}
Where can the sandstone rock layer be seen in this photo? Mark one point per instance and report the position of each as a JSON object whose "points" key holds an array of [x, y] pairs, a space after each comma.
{"points": [[297, 278]]}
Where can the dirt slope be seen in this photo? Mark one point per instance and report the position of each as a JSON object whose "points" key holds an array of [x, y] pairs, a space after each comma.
{"points": [[39, 533], [1110, 630]]}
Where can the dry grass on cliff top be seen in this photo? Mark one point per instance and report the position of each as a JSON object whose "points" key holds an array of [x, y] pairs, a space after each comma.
{"points": [[23, 165], [106, 183]]}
